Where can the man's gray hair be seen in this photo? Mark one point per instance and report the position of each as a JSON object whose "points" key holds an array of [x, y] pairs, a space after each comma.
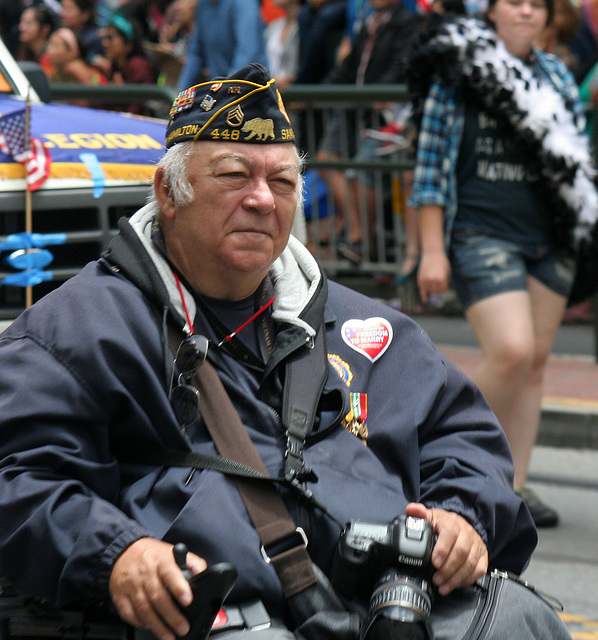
{"points": [[174, 163]]}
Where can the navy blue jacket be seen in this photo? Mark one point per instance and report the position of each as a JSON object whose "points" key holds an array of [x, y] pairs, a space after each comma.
{"points": [[83, 381]]}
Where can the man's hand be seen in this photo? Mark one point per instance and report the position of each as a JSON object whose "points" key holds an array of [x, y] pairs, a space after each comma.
{"points": [[460, 556], [143, 583]]}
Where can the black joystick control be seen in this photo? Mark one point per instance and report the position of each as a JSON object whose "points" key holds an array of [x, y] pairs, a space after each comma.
{"points": [[180, 556], [210, 588]]}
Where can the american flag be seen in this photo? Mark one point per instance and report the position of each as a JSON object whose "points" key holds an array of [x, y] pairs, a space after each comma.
{"points": [[36, 159]]}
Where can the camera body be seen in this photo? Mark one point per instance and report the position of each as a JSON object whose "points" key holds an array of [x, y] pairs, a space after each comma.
{"points": [[389, 566], [366, 550]]}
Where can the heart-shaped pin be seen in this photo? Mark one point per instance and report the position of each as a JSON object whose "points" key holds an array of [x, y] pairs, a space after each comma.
{"points": [[370, 337]]}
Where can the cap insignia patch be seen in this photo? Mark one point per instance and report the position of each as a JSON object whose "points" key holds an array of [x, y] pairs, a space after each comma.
{"points": [[183, 101], [259, 128], [235, 117], [207, 103]]}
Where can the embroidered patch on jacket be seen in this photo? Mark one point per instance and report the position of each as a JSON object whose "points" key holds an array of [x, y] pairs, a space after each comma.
{"points": [[341, 367]]}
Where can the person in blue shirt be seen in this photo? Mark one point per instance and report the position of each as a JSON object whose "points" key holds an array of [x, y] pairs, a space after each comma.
{"points": [[321, 23], [228, 35]]}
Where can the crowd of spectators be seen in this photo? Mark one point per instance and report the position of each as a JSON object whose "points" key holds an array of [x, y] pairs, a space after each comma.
{"points": [[182, 42], [83, 41], [185, 41]]}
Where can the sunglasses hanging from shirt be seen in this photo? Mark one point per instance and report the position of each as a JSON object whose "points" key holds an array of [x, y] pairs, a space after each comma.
{"points": [[184, 397]]}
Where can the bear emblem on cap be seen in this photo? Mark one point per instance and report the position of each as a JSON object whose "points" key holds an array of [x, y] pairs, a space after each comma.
{"points": [[263, 129]]}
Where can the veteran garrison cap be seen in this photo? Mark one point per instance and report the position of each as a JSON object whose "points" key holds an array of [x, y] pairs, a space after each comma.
{"points": [[244, 107]]}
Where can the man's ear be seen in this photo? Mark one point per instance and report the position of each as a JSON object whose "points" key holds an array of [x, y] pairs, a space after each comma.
{"points": [[164, 194]]}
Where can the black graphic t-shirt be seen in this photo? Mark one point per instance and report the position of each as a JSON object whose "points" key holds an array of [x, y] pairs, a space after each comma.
{"points": [[494, 191]]}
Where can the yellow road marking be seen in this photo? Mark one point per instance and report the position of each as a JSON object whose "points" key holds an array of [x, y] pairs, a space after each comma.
{"points": [[590, 404], [580, 634]]}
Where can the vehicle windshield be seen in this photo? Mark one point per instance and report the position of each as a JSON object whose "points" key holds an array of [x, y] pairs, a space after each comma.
{"points": [[12, 80]]}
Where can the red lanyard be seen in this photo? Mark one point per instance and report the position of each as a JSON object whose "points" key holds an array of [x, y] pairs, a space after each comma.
{"points": [[231, 335]]}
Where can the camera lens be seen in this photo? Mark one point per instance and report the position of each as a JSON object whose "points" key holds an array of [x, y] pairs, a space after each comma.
{"points": [[399, 608], [402, 597]]}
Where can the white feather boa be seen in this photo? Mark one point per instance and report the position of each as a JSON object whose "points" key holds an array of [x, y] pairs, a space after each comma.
{"points": [[535, 109]]}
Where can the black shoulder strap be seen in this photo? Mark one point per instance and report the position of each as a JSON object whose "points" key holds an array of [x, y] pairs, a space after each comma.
{"points": [[164, 457], [306, 373]]}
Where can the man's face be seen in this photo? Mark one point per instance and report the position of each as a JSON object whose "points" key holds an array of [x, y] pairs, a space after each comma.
{"points": [[245, 197]]}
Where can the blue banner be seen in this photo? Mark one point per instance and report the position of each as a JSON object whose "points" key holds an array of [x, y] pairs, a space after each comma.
{"points": [[126, 146]]}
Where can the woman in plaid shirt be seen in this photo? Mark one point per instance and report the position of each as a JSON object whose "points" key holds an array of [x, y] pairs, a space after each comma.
{"points": [[490, 208]]}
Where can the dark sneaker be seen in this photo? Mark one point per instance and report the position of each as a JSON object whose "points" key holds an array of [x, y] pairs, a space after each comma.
{"points": [[542, 514]]}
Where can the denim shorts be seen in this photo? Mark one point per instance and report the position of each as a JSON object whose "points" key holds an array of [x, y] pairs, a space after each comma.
{"points": [[484, 266]]}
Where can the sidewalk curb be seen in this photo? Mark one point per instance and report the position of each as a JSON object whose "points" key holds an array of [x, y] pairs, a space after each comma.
{"points": [[564, 426], [567, 420]]}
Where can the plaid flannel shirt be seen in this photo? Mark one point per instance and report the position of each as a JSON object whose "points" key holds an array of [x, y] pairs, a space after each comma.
{"points": [[441, 131]]}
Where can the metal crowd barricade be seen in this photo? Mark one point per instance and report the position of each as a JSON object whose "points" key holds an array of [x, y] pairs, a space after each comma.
{"points": [[87, 223], [311, 109], [373, 177]]}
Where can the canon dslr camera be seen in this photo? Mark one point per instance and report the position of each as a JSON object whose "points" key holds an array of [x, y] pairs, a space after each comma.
{"points": [[389, 565]]}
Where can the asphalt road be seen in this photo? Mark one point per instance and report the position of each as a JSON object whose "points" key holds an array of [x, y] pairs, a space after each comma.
{"points": [[565, 563]]}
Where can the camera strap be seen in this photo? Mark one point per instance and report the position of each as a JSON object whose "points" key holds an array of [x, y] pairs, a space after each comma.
{"points": [[306, 372]]}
